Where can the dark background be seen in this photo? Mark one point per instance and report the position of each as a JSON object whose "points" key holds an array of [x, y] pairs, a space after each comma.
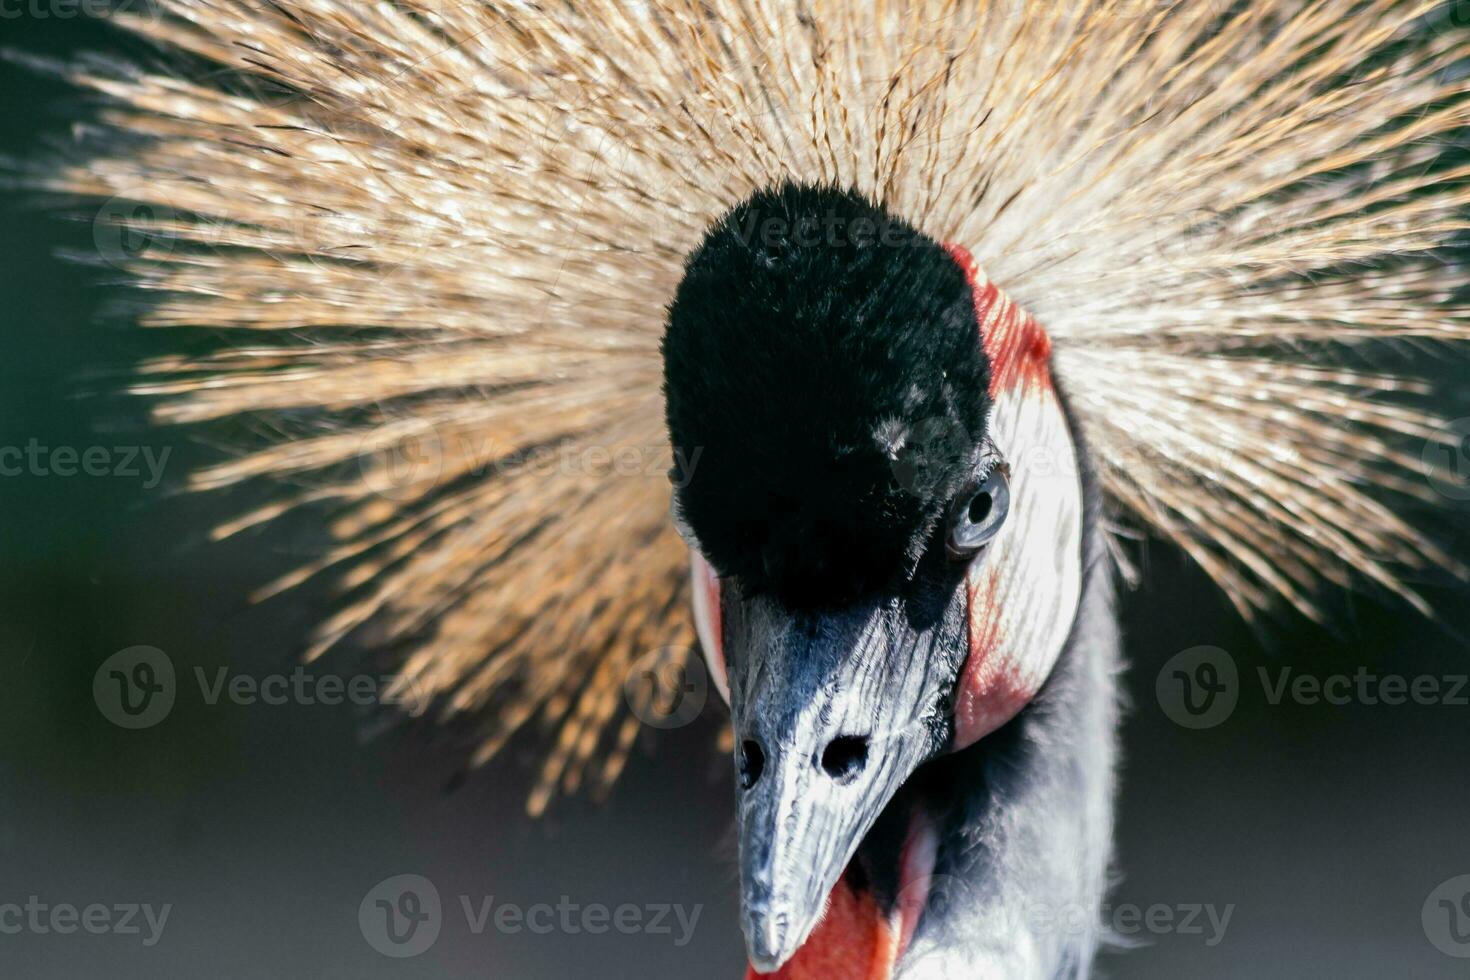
{"points": [[1325, 827]]}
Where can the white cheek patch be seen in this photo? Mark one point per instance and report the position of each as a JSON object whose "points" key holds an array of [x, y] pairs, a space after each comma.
{"points": [[1024, 589], [705, 587]]}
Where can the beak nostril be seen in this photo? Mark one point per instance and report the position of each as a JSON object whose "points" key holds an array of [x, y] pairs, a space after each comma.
{"points": [[752, 763], [845, 757]]}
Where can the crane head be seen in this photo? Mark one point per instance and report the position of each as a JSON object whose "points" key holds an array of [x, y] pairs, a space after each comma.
{"points": [[885, 524]]}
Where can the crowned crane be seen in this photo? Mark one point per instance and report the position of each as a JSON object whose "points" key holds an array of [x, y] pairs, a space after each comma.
{"points": [[929, 309]]}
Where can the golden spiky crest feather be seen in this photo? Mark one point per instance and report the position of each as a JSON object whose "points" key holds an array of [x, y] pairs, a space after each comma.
{"points": [[459, 224]]}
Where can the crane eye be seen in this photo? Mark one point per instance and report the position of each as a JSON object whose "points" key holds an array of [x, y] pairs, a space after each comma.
{"points": [[977, 516]]}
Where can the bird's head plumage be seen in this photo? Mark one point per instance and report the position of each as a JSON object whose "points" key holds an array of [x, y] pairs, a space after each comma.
{"points": [[816, 347], [852, 394]]}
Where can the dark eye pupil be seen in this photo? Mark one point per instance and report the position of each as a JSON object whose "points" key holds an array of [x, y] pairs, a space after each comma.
{"points": [[975, 520], [980, 507]]}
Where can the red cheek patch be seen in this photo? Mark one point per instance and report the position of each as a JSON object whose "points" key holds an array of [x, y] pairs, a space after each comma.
{"points": [[992, 689]]}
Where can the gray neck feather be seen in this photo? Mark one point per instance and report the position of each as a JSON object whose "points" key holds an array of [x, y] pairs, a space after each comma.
{"points": [[1024, 858]]}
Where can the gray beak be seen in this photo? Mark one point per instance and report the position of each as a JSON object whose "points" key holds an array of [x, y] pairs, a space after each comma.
{"points": [[832, 713]]}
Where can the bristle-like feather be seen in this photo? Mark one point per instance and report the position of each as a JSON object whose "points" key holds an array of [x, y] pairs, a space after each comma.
{"points": [[450, 231]]}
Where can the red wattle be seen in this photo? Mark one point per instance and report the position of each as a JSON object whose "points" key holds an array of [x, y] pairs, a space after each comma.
{"points": [[855, 941]]}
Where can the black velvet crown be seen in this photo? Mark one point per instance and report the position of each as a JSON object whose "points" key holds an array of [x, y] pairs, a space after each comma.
{"points": [[822, 359]]}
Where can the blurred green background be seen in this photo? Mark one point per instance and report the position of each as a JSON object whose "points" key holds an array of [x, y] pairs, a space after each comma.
{"points": [[1326, 828]]}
